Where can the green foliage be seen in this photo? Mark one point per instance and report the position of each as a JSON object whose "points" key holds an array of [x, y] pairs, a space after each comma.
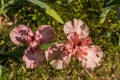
{"points": [[107, 8], [49, 11], [104, 14], [4, 7]]}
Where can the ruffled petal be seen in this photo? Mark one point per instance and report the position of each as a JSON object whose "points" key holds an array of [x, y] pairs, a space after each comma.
{"points": [[33, 58], [90, 56], [86, 41], [74, 39], [34, 44], [45, 33], [58, 59], [77, 41], [77, 53], [33, 41], [76, 26], [18, 34]]}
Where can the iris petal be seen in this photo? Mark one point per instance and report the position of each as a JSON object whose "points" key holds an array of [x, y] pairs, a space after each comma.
{"points": [[89, 55], [76, 26], [46, 33], [33, 58], [58, 59], [17, 35]]}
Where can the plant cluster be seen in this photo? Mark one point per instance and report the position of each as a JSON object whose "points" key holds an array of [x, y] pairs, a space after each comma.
{"points": [[78, 44], [72, 47]]}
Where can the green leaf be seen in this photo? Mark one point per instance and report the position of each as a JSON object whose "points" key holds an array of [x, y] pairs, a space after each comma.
{"points": [[104, 14], [40, 3], [54, 14], [107, 8], [44, 77], [45, 46], [113, 2], [0, 71], [69, 1]]}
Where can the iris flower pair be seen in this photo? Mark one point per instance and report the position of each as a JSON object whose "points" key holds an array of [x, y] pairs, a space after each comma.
{"points": [[78, 44]]}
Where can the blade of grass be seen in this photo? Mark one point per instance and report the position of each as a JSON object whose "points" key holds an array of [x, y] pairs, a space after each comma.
{"points": [[40, 3]]}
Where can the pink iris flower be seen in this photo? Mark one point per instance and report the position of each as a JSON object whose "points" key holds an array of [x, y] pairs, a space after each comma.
{"points": [[78, 44], [22, 35]]}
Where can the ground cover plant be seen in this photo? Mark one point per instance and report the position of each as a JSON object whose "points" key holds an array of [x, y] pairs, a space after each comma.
{"points": [[100, 16]]}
